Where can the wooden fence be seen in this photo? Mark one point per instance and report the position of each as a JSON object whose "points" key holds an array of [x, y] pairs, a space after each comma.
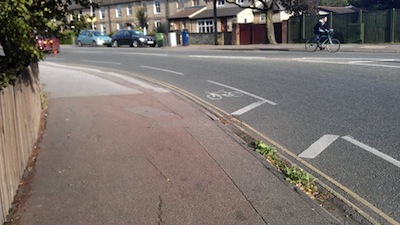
{"points": [[20, 111], [361, 27]]}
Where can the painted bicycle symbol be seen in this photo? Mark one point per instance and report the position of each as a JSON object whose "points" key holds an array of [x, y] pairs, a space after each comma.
{"points": [[218, 95]]}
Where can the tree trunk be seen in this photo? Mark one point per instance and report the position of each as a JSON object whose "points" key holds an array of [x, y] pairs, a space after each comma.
{"points": [[270, 26]]}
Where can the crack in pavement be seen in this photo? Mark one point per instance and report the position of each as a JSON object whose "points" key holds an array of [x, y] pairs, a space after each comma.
{"points": [[159, 171]]}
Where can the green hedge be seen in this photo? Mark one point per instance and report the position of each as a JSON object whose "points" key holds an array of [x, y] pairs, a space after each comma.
{"points": [[67, 37]]}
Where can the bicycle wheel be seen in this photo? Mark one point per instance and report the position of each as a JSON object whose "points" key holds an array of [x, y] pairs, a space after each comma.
{"points": [[311, 45], [333, 46]]}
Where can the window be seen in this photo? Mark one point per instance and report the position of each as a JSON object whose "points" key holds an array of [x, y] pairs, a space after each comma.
{"points": [[119, 26], [157, 6], [157, 24], [220, 2], [144, 6], [239, 2], [129, 9], [205, 26], [196, 2], [262, 17], [101, 13], [71, 17], [181, 4], [118, 11], [103, 28]]}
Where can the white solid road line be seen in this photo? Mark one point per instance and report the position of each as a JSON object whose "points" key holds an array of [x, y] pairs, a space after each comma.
{"points": [[317, 147], [372, 150], [164, 70]]}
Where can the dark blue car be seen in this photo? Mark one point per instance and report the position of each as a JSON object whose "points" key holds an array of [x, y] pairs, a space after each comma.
{"points": [[132, 38]]}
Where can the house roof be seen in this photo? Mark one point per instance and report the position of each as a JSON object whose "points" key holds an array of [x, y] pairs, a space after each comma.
{"points": [[347, 9], [221, 12], [187, 12]]}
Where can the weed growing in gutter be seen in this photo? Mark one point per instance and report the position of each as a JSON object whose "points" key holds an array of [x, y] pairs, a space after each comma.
{"points": [[293, 174], [43, 100]]}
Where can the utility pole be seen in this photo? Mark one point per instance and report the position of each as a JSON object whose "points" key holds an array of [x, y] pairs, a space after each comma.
{"points": [[91, 14], [215, 23]]}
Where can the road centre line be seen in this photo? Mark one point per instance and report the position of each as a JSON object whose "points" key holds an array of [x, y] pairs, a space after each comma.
{"points": [[317, 147], [372, 150], [227, 57], [164, 70], [138, 53], [104, 62]]}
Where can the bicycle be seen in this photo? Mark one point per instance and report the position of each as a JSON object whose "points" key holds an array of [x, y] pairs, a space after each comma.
{"points": [[325, 41]]}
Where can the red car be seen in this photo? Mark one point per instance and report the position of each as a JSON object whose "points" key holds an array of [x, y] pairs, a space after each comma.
{"points": [[48, 44]]}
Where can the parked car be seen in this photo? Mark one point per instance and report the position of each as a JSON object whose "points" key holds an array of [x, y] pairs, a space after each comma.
{"points": [[132, 38], [93, 38], [48, 43]]}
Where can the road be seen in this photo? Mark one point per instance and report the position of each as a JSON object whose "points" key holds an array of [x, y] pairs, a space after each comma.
{"points": [[337, 112]]}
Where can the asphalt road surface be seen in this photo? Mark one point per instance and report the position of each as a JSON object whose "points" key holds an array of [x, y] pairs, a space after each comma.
{"points": [[337, 112]]}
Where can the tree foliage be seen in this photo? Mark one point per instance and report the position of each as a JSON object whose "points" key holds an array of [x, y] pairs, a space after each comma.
{"points": [[334, 3], [21, 21], [376, 4], [141, 16], [299, 7], [268, 7]]}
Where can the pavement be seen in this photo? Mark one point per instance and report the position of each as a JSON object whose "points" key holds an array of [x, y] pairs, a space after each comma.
{"points": [[118, 150]]}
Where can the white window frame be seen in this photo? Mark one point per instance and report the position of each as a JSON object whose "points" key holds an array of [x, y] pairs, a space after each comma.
{"points": [[118, 11], [220, 3], [129, 9], [103, 28], [240, 2], [157, 6], [157, 23], [205, 26], [120, 26], [101, 12]]}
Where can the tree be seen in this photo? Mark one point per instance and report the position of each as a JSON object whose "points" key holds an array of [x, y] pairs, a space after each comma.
{"points": [[141, 16], [296, 7], [376, 4], [334, 3], [21, 21]]}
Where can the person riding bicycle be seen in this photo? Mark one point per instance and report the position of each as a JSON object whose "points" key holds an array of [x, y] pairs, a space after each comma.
{"points": [[320, 28]]}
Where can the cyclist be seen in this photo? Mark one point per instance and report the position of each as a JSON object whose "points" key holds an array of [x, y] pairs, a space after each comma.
{"points": [[320, 28]]}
